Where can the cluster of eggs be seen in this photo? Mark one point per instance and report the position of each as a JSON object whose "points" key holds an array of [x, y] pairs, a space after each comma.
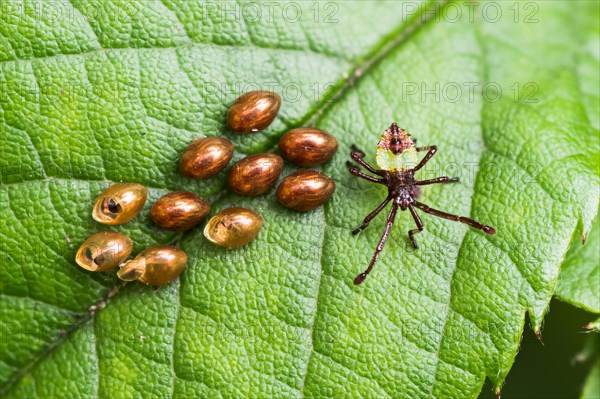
{"points": [[107, 250], [204, 158]]}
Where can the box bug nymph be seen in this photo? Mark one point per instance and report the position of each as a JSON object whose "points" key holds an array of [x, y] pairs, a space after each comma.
{"points": [[397, 156]]}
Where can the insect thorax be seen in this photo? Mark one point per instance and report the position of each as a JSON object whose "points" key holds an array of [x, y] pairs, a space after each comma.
{"points": [[396, 150]]}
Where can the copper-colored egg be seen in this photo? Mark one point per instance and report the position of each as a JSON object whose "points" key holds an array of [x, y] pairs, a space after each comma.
{"points": [[307, 146], [305, 190], [253, 111], [120, 203], [104, 251], [233, 227], [155, 266], [179, 210], [255, 174], [205, 158]]}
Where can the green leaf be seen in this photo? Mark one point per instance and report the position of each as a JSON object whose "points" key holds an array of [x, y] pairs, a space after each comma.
{"points": [[579, 279], [594, 325], [117, 90], [591, 389], [591, 354]]}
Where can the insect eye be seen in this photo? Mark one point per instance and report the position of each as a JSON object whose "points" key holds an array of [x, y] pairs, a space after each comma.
{"points": [[120, 203], [99, 260], [113, 206], [103, 251], [155, 266], [233, 227]]}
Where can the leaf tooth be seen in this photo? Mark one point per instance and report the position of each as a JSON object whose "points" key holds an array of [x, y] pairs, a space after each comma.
{"points": [[538, 334]]}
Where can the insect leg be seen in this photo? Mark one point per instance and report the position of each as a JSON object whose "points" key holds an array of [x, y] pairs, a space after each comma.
{"points": [[431, 150], [426, 148], [419, 224], [357, 156], [462, 219], [354, 148], [390, 221], [371, 216], [356, 172], [442, 179]]}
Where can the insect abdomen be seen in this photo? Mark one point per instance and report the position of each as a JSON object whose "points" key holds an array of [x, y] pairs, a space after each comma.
{"points": [[389, 161]]}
